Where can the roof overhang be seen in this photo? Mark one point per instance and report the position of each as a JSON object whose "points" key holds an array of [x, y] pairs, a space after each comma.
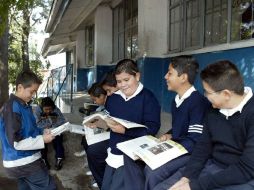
{"points": [[65, 19]]}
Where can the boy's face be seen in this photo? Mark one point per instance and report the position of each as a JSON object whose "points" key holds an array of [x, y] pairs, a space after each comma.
{"points": [[47, 109], [217, 98], [26, 94], [109, 89], [99, 100], [127, 83], [173, 81]]}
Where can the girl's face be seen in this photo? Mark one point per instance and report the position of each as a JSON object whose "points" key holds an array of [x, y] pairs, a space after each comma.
{"points": [[127, 83], [99, 100], [109, 89]]}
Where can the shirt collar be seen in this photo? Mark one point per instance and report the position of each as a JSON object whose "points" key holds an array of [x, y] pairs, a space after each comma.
{"points": [[179, 100], [13, 96], [140, 87], [230, 112]]}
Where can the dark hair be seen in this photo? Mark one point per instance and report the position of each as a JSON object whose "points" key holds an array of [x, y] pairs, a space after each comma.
{"points": [[128, 66], [109, 79], [47, 102], [186, 64], [96, 90], [27, 79], [223, 75]]}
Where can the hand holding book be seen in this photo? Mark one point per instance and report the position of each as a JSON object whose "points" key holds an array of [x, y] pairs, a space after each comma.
{"points": [[115, 126]]}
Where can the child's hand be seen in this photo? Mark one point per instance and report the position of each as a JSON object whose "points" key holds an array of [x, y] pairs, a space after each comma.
{"points": [[46, 131], [48, 137], [182, 184], [115, 127], [165, 137]]}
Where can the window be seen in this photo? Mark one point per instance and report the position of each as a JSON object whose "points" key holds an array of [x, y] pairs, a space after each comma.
{"points": [[198, 23], [242, 26], [216, 19], [125, 30], [184, 24], [89, 45]]}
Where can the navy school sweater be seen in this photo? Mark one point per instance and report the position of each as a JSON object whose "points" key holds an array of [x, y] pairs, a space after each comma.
{"points": [[143, 109], [187, 120], [229, 143]]}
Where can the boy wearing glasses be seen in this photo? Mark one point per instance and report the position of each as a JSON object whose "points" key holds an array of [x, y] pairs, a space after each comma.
{"points": [[224, 156]]}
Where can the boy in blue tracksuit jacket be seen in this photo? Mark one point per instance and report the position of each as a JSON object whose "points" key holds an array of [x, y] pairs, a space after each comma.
{"points": [[22, 139], [188, 110]]}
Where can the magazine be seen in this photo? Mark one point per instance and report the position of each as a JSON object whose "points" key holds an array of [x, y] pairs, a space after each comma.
{"points": [[96, 135], [151, 150], [101, 117], [60, 129]]}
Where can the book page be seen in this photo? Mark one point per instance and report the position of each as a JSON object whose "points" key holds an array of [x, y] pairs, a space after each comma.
{"points": [[131, 146], [96, 135], [163, 151], [60, 129]]}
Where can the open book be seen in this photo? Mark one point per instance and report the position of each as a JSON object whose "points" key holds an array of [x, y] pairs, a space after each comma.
{"points": [[151, 150], [96, 135], [73, 128], [101, 117], [60, 129]]}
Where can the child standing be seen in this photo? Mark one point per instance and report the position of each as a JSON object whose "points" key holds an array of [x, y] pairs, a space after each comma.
{"points": [[224, 156], [22, 139], [188, 110], [134, 103]]}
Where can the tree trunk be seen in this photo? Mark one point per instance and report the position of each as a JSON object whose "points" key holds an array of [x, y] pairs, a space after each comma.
{"points": [[25, 37], [4, 90]]}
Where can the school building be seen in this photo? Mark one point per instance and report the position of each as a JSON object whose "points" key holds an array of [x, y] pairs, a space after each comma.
{"points": [[95, 34]]}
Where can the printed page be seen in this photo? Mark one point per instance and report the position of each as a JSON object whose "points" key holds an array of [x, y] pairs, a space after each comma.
{"points": [[96, 135], [60, 129], [163, 151], [131, 146]]}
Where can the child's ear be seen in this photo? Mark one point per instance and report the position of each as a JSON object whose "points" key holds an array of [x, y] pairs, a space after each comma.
{"points": [[184, 77], [137, 76], [19, 87], [227, 94]]}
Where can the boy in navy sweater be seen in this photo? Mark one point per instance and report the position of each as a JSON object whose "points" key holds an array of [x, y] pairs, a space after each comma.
{"points": [[188, 110], [22, 139], [224, 156]]}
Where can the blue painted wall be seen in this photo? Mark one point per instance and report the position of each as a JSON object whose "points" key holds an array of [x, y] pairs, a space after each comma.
{"points": [[153, 71], [86, 76]]}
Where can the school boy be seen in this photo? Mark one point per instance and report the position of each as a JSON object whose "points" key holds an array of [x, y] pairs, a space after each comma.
{"points": [[22, 139], [188, 110], [224, 156], [48, 115]]}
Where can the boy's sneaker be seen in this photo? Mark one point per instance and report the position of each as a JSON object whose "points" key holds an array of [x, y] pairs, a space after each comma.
{"points": [[81, 153], [59, 163], [88, 172], [94, 184]]}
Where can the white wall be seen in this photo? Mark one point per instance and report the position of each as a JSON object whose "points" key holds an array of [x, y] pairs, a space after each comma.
{"points": [[103, 35], [153, 27], [80, 49]]}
